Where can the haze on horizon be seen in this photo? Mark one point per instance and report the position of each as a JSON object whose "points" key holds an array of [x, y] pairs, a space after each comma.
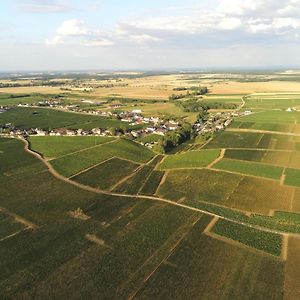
{"points": [[138, 34]]}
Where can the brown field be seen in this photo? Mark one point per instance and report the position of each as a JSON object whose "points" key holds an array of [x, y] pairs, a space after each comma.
{"points": [[232, 87], [32, 89], [292, 274]]}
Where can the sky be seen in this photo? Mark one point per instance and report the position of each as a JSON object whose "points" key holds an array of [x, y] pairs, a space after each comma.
{"points": [[42, 35]]}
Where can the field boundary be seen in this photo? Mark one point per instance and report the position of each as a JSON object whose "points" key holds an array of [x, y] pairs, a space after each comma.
{"points": [[221, 156]]}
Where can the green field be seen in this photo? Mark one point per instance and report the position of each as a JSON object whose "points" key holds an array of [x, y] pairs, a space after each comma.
{"points": [[292, 177], [261, 240], [191, 159], [171, 280], [135, 183], [107, 174], [138, 245], [152, 183], [45, 118], [72, 164], [56, 146], [8, 225], [250, 168], [235, 140]]}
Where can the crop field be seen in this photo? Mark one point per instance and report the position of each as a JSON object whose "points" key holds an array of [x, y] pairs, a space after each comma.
{"points": [[260, 196], [107, 174], [250, 168], [248, 270], [273, 116], [133, 246], [15, 99], [264, 241], [151, 138], [56, 146], [135, 183], [13, 160], [152, 183], [191, 159], [203, 185], [252, 140], [235, 191], [72, 164], [277, 127], [8, 225], [292, 177], [235, 140], [272, 101], [49, 118]]}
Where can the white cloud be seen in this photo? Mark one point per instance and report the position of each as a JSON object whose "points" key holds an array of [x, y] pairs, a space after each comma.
{"points": [[56, 40], [73, 27], [75, 30]]}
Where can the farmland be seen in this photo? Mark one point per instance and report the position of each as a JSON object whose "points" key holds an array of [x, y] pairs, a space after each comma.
{"points": [[250, 168], [73, 163], [192, 159], [25, 118], [85, 216]]}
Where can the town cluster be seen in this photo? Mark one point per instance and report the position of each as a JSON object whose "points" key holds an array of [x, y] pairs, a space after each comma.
{"points": [[151, 125]]}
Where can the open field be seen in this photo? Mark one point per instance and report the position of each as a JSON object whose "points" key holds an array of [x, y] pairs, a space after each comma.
{"points": [[246, 268], [210, 222], [231, 190], [250, 168], [50, 118], [264, 241], [191, 159], [132, 245], [56, 146], [233, 87], [72, 164], [135, 183], [107, 174]]}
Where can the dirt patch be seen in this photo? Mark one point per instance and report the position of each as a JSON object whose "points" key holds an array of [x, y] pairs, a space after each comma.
{"points": [[78, 214], [94, 239]]}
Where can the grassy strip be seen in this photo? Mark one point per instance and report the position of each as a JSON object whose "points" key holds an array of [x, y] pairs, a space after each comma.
{"points": [[265, 241], [250, 168]]}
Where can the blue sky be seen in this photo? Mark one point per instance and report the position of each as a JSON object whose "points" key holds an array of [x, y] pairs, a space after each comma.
{"points": [[131, 34]]}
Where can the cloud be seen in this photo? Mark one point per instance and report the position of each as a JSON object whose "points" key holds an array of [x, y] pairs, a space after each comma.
{"points": [[73, 27], [77, 31], [43, 7]]}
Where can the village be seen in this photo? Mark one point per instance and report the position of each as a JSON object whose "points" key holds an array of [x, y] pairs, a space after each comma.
{"points": [[152, 125]]}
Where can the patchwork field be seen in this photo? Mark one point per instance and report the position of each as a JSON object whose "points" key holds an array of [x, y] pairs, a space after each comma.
{"points": [[212, 222], [133, 245], [74, 163]]}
